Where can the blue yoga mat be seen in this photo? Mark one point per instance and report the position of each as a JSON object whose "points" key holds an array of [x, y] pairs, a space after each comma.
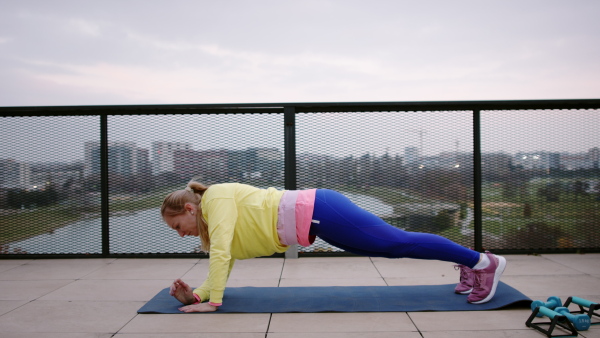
{"points": [[407, 298]]}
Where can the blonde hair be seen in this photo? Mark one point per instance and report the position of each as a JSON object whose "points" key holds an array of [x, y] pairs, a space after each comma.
{"points": [[174, 204]]}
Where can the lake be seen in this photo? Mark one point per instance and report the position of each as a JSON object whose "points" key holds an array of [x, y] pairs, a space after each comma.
{"points": [[142, 232]]}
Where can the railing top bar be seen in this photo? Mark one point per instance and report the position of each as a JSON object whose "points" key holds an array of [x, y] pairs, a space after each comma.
{"points": [[152, 109], [137, 110]]}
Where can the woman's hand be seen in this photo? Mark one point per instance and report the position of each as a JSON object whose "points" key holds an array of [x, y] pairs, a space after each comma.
{"points": [[200, 307], [182, 292]]}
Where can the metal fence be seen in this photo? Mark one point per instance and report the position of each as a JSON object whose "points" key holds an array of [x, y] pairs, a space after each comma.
{"points": [[508, 176]]}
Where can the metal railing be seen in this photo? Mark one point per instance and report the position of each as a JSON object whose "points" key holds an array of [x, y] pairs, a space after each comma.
{"points": [[509, 206]]}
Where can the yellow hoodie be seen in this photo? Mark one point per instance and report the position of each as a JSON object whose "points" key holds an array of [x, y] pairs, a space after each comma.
{"points": [[242, 223]]}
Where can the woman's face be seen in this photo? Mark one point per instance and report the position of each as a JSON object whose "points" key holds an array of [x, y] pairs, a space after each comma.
{"points": [[185, 223]]}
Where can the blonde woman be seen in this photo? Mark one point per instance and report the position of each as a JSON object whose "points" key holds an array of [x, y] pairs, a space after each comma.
{"points": [[238, 221]]}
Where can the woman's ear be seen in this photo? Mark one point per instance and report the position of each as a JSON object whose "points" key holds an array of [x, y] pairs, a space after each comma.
{"points": [[189, 207]]}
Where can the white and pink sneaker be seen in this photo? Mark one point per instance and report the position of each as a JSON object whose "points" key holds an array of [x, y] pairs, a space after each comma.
{"points": [[486, 280]]}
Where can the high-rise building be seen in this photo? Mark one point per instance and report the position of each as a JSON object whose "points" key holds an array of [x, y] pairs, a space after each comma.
{"points": [[124, 158], [411, 156], [163, 155], [14, 175]]}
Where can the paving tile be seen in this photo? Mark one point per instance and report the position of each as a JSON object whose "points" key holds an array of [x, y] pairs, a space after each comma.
{"points": [[108, 290], [257, 268], [559, 285], [329, 267], [268, 283], [289, 282], [441, 280], [414, 268], [15, 261], [587, 263], [6, 267], [9, 305], [29, 290], [198, 322], [54, 269], [68, 316], [536, 265], [63, 261], [192, 335], [346, 335], [471, 320], [525, 333], [199, 271], [167, 269], [248, 269], [341, 322], [55, 335], [593, 332]]}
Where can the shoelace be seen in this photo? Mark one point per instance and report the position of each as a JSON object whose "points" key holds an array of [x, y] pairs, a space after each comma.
{"points": [[480, 278], [464, 275]]}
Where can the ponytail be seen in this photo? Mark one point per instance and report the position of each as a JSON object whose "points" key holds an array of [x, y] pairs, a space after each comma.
{"points": [[174, 203]]}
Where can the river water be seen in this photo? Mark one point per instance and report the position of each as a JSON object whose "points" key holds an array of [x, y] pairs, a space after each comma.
{"points": [[142, 232]]}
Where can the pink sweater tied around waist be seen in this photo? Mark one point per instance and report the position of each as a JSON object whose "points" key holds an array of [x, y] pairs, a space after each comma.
{"points": [[295, 216]]}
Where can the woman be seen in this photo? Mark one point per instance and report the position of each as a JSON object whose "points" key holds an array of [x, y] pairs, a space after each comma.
{"points": [[238, 221]]}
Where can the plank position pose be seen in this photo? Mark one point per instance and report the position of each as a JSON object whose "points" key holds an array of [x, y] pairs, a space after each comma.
{"points": [[238, 221]]}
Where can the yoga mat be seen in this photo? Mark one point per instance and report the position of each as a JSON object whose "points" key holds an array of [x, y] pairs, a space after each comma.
{"points": [[406, 298]]}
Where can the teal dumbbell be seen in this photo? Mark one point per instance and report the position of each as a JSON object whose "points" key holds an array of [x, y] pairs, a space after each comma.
{"points": [[552, 303], [586, 307], [581, 322]]}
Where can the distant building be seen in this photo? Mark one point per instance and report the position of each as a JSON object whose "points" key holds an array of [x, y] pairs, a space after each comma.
{"points": [[496, 165], [44, 174], [124, 158], [594, 157], [537, 160], [205, 165], [589, 160], [14, 175], [411, 156], [163, 155], [143, 165], [574, 161]]}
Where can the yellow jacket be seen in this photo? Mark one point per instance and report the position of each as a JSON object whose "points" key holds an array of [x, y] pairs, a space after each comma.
{"points": [[242, 223]]}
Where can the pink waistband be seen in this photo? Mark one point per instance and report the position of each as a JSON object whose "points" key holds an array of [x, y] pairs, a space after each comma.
{"points": [[295, 216]]}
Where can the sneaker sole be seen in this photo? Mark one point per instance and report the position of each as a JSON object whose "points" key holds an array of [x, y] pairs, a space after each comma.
{"points": [[497, 274], [464, 292]]}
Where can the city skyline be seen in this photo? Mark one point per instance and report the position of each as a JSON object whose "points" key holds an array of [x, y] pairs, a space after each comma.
{"points": [[42, 139], [410, 154]]}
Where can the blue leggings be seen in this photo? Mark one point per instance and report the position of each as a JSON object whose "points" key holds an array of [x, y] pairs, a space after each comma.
{"points": [[345, 225]]}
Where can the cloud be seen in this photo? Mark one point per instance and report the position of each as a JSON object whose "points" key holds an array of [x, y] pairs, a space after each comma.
{"points": [[85, 27], [196, 52]]}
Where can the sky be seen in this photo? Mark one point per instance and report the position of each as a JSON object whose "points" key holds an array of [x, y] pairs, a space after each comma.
{"points": [[192, 52], [169, 52]]}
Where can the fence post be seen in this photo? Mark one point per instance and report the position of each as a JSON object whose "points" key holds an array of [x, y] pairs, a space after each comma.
{"points": [[104, 184], [289, 145], [477, 181]]}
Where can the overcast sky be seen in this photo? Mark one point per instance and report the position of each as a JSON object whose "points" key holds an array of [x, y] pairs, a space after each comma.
{"points": [[175, 52], [148, 51]]}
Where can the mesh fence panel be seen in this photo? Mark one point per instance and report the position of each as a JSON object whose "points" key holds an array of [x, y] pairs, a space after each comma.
{"points": [[151, 156], [541, 179], [413, 169], [48, 204]]}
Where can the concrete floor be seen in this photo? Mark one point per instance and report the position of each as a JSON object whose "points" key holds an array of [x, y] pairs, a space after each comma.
{"points": [[73, 298]]}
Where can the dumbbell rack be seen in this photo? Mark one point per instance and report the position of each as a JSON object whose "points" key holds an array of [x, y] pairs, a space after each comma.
{"points": [[591, 311], [541, 309], [557, 320]]}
